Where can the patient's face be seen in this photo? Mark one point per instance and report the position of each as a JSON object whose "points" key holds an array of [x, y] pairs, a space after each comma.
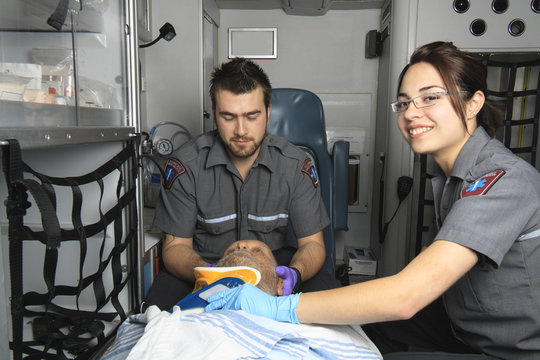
{"points": [[255, 254]]}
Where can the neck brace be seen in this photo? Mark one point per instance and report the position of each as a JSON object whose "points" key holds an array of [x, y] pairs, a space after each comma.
{"points": [[211, 280], [205, 276]]}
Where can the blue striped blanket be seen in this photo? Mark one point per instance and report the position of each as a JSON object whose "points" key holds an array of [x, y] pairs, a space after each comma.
{"points": [[233, 335]]}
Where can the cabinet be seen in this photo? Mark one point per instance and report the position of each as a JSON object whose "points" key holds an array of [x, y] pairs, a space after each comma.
{"points": [[68, 71], [69, 93]]}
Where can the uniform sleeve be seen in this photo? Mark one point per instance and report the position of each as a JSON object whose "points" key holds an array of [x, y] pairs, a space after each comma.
{"points": [[308, 213], [489, 223], [176, 211]]}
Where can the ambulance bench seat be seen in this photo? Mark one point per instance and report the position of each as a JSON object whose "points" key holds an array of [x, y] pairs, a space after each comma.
{"points": [[298, 116]]}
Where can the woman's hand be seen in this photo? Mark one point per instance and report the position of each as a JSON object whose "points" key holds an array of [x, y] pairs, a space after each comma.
{"points": [[255, 301]]}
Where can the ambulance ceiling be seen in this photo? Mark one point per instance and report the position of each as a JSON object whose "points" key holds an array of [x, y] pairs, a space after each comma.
{"points": [[301, 7]]}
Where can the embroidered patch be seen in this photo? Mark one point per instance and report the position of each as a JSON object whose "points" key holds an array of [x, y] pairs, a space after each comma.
{"points": [[309, 169], [173, 170], [482, 185]]}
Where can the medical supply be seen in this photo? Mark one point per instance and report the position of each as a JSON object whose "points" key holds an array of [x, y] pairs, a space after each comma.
{"points": [[197, 301], [211, 280], [360, 260]]}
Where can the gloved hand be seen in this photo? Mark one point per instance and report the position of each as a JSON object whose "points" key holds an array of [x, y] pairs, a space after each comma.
{"points": [[211, 265], [255, 301], [290, 278]]}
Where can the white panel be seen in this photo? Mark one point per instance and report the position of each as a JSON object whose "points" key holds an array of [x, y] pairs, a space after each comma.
{"points": [[354, 135], [437, 20], [347, 110], [254, 43]]}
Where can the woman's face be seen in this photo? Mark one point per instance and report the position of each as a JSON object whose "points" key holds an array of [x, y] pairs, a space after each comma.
{"points": [[437, 129]]}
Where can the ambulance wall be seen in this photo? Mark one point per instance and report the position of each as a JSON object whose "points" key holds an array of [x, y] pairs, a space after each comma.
{"points": [[171, 71], [325, 55]]}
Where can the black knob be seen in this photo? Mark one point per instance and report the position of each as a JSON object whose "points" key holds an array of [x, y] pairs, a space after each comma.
{"points": [[478, 27], [460, 6]]}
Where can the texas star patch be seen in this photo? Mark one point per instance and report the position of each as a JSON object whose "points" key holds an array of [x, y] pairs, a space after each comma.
{"points": [[482, 185], [173, 169], [309, 169]]}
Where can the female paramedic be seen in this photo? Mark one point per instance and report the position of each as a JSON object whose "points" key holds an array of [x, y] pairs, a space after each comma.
{"points": [[476, 288]]}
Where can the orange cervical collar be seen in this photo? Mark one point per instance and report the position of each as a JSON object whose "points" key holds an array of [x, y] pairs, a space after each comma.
{"points": [[206, 275]]}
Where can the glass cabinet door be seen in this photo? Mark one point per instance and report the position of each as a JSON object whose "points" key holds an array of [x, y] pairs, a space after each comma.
{"points": [[63, 64]]}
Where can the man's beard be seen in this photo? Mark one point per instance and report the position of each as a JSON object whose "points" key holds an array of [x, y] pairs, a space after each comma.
{"points": [[245, 151], [242, 257]]}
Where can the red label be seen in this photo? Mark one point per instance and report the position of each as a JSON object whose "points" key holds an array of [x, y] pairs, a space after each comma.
{"points": [[482, 185], [309, 169], [173, 170]]}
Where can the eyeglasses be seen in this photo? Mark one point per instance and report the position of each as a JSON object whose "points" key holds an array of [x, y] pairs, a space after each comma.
{"points": [[420, 101]]}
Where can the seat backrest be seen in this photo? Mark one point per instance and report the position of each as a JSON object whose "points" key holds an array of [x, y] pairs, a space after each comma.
{"points": [[298, 116]]}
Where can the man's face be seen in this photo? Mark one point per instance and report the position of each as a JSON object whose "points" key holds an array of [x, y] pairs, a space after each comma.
{"points": [[241, 122], [255, 254]]}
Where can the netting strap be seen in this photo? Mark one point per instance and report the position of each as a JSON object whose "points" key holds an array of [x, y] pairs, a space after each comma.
{"points": [[16, 206], [57, 327]]}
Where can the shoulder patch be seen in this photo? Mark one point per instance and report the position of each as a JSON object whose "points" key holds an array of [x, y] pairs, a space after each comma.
{"points": [[309, 169], [173, 169], [482, 185]]}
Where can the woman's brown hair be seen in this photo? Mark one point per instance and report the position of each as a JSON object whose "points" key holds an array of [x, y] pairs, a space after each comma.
{"points": [[463, 75]]}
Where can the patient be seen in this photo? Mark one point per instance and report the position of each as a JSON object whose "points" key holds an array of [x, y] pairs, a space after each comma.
{"points": [[245, 261], [255, 254], [234, 334]]}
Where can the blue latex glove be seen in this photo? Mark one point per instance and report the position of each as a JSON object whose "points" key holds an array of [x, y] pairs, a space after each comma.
{"points": [[289, 277], [255, 301]]}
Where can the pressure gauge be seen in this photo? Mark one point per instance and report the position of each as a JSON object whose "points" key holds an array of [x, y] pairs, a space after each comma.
{"points": [[164, 146]]}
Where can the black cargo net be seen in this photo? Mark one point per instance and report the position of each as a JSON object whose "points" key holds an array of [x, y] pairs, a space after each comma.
{"points": [[516, 86], [56, 320]]}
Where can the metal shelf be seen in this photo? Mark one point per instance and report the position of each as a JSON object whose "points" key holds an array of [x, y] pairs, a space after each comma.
{"points": [[42, 137]]}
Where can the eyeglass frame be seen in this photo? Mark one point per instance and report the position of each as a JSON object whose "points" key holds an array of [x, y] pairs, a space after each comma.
{"points": [[411, 100]]}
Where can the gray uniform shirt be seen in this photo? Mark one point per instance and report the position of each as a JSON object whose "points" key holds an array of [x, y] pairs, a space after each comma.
{"points": [[206, 198], [491, 204]]}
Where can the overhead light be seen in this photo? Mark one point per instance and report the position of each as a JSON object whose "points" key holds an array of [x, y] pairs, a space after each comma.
{"points": [[165, 32]]}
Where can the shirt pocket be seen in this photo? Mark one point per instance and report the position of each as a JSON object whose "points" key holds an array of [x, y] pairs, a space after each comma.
{"points": [[480, 289], [211, 239], [268, 224], [216, 227]]}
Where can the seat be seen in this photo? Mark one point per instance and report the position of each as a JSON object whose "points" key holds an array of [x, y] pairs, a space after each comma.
{"points": [[298, 116]]}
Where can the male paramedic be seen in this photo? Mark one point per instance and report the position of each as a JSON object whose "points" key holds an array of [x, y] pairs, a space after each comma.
{"points": [[235, 183]]}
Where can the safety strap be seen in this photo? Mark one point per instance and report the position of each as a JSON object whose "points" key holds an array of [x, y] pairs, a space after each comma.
{"points": [[508, 97], [60, 330], [16, 206]]}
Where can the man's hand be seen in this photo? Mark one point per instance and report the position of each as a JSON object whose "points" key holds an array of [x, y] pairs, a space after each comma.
{"points": [[255, 301], [290, 278]]}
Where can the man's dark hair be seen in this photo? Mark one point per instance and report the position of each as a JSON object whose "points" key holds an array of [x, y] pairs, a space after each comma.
{"points": [[240, 76]]}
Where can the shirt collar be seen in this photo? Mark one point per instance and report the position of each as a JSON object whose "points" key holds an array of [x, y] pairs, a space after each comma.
{"points": [[468, 155], [265, 158], [218, 153]]}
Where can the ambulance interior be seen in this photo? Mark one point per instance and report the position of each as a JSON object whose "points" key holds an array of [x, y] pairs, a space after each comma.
{"points": [[97, 93]]}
